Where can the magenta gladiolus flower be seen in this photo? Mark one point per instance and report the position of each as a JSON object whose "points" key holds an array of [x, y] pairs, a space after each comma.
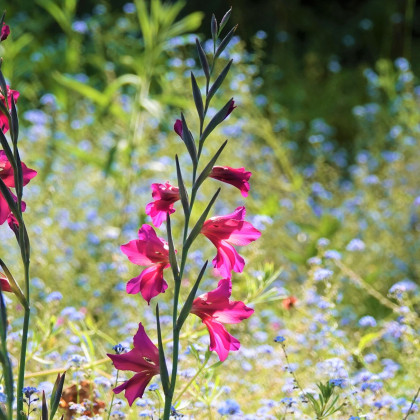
{"points": [[178, 128], [165, 195], [5, 31], [142, 359], [226, 231], [237, 177], [7, 176], [148, 250], [4, 284], [4, 121], [215, 309]]}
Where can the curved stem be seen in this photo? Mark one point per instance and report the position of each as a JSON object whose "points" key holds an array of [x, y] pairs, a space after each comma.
{"points": [[113, 396]]}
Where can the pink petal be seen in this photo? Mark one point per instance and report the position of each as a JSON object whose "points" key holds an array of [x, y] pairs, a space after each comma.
{"points": [[143, 342], [220, 340], [236, 177], [149, 283], [134, 387], [148, 249], [4, 284], [228, 259]]}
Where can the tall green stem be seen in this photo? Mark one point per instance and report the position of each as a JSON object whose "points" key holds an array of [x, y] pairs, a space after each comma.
{"points": [[23, 350]]}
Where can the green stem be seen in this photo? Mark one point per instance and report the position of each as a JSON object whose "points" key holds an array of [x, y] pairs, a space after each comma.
{"points": [[25, 330], [113, 396]]}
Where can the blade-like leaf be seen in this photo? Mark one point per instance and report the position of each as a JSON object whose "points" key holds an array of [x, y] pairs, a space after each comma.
{"points": [[6, 147], [15, 122], [215, 121], [164, 376], [205, 173], [13, 284], [225, 42], [218, 82], [182, 190], [188, 303], [189, 140], [44, 411], [3, 87], [224, 20], [203, 59], [214, 29], [197, 97], [197, 228], [3, 319], [55, 398], [172, 256]]}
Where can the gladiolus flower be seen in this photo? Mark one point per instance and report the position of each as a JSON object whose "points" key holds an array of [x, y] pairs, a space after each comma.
{"points": [[151, 251], [237, 177], [4, 121], [7, 176], [226, 231], [4, 283], [178, 128], [142, 359], [215, 309], [165, 195], [289, 302], [5, 31]]}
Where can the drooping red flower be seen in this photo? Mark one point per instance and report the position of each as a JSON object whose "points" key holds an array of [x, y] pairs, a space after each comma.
{"points": [[7, 176], [165, 195], [215, 309], [151, 251], [4, 121], [237, 177], [226, 231], [5, 31], [4, 283], [289, 302], [142, 359], [178, 128]]}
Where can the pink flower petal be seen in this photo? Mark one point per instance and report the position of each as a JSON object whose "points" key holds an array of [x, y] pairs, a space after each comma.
{"points": [[220, 340]]}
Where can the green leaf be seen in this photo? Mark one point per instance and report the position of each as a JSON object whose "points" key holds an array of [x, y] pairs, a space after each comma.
{"points": [[203, 59], [172, 256], [194, 352], [188, 303], [189, 141], [224, 20], [197, 228], [2, 415], [214, 29], [15, 122], [182, 190], [205, 173], [164, 376], [366, 340], [56, 396], [44, 410], [218, 82], [197, 97], [225, 42], [215, 121]]}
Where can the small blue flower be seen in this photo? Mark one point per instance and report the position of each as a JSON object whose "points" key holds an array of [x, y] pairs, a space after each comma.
{"points": [[322, 274], [28, 391], [229, 407], [339, 382], [367, 321], [119, 348], [279, 339], [153, 387]]}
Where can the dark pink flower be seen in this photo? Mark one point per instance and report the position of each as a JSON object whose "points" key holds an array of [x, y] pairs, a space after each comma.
{"points": [[7, 176], [226, 231], [5, 31], [165, 195], [178, 128], [4, 284], [151, 251], [4, 121], [237, 177], [215, 309], [142, 359]]}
